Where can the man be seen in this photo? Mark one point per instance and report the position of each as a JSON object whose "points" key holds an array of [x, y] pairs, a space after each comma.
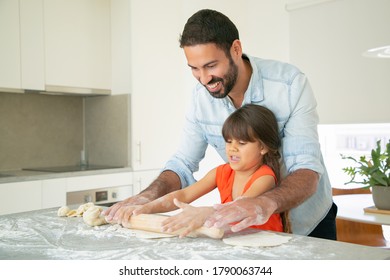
{"points": [[229, 79]]}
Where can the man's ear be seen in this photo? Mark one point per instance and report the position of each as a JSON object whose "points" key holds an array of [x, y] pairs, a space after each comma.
{"points": [[236, 48]]}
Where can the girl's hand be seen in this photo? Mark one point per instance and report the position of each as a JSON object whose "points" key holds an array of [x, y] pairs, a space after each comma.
{"points": [[188, 220]]}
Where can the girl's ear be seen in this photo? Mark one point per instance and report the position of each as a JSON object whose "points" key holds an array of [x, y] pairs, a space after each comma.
{"points": [[263, 150]]}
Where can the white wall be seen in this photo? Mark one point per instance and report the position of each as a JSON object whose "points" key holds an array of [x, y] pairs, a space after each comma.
{"points": [[327, 41]]}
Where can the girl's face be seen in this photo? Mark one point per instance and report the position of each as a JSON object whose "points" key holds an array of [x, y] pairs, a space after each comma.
{"points": [[245, 156]]}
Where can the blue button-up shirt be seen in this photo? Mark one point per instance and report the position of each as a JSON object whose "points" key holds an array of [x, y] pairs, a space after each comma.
{"points": [[285, 90]]}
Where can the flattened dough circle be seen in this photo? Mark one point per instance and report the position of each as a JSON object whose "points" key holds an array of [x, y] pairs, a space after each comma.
{"points": [[258, 239]]}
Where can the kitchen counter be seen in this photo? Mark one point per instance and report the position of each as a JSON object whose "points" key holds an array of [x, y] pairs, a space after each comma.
{"points": [[42, 235], [11, 176]]}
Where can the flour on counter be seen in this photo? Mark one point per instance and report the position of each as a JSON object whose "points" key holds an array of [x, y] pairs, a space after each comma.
{"points": [[41, 235], [259, 239]]}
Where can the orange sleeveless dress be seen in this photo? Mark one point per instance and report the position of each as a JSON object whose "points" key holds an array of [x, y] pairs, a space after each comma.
{"points": [[224, 181]]}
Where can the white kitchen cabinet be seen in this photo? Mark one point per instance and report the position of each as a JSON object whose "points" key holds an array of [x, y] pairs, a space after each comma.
{"points": [[89, 182], [120, 47], [21, 48], [158, 97], [10, 45], [54, 192], [77, 44], [55, 45], [47, 193], [20, 197], [142, 179], [32, 45]]}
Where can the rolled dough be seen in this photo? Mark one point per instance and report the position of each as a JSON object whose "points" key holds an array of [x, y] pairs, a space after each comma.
{"points": [[138, 233], [258, 239]]}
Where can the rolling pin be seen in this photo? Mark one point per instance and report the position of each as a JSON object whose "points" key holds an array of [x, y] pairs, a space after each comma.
{"points": [[153, 223]]}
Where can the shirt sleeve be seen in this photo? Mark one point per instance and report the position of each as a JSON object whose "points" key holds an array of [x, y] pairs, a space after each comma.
{"points": [[301, 148], [191, 149]]}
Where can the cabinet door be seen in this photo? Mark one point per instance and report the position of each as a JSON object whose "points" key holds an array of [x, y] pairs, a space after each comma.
{"points": [[10, 45], [81, 183], [142, 179], [120, 47], [20, 197], [32, 44], [53, 193], [77, 43], [159, 96]]}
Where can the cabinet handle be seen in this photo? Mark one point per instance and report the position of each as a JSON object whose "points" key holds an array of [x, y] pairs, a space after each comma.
{"points": [[139, 153]]}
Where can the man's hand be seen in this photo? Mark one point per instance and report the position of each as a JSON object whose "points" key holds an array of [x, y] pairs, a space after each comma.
{"points": [[292, 191], [121, 212], [245, 211]]}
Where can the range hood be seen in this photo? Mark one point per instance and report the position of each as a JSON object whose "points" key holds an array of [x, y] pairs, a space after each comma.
{"points": [[61, 90], [64, 90]]}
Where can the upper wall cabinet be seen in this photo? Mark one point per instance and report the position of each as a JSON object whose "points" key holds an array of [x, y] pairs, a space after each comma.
{"points": [[21, 48], [10, 44], [55, 45], [77, 44], [32, 45]]}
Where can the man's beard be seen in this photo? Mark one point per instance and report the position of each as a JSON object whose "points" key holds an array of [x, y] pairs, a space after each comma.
{"points": [[228, 81]]}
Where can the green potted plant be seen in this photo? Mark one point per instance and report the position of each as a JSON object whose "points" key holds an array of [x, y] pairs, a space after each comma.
{"points": [[374, 173]]}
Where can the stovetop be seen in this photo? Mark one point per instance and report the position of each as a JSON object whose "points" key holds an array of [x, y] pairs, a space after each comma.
{"points": [[70, 168]]}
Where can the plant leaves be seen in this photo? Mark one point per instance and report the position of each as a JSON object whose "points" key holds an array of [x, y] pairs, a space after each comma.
{"points": [[374, 171]]}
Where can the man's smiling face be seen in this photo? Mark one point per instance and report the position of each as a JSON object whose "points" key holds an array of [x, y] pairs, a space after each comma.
{"points": [[212, 68]]}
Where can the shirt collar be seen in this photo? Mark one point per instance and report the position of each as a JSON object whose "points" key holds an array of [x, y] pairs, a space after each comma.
{"points": [[255, 91]]}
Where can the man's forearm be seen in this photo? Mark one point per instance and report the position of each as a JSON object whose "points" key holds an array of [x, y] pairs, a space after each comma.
{"points": [[294, 189], [168, 181]]}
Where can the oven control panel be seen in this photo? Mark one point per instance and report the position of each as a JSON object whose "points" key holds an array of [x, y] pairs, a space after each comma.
{"points": [[104, 196]]}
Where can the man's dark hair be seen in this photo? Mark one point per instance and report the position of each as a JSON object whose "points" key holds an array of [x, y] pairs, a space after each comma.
{"points": [[209, 26]]}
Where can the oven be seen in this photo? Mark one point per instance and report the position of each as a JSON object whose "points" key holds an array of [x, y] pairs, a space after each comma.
{"points": [[103, 196]]}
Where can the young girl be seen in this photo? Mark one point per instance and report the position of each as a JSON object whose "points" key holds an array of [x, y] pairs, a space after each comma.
{"points": [[252, 143]]}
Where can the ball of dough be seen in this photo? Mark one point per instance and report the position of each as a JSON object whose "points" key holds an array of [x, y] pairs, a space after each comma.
{"points": [[83, 207], [62, 211], [93, 217]]}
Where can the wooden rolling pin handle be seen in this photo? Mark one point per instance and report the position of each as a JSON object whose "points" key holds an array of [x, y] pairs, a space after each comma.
{"points": [[153, 222], [215, 233]]}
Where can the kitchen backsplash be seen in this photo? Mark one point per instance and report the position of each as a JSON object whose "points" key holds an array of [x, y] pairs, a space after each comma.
{"points": [[47, 130], [107, 130]]}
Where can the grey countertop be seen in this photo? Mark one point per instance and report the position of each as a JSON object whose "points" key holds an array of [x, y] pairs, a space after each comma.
{"points": [[12, 176], [43, 235]]}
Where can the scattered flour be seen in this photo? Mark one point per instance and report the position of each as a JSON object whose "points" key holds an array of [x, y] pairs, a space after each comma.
{"points": [[259, 239]]}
